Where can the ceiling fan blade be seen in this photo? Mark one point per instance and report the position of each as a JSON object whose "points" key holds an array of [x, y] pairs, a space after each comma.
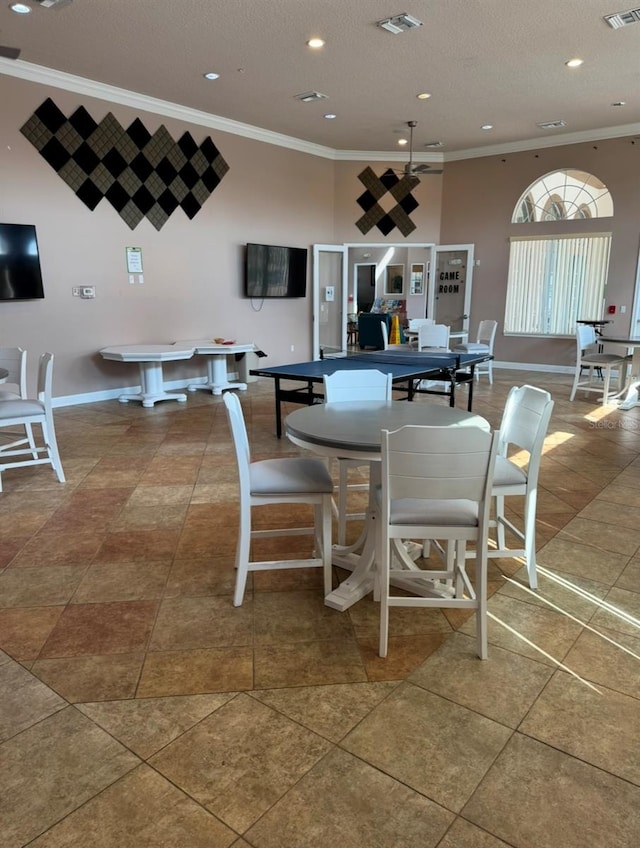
{"points": [[9, 52]]}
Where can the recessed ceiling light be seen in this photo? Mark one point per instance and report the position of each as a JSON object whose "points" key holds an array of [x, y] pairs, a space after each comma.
{"points": [[402, 141], [486, 127], [620, 103], [20, 8], [315, 43], [423, 95], [330, 116], [574, 63], [211, 75]]}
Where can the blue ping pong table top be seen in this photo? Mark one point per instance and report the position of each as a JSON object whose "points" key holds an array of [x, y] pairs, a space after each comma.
{"points": [[398, 363]]}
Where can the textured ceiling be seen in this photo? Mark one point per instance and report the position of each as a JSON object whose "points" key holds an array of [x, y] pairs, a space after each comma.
{"points": [[483, 61]]}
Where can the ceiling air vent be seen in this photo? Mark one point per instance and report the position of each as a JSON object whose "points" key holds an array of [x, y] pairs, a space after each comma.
{"points": [[552, 125], [310, 96], [621, 19], [434, 144], [48, 4], [400, 23]]}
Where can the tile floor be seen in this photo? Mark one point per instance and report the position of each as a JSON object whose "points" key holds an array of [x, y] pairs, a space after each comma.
{"points": [[139, 708]]}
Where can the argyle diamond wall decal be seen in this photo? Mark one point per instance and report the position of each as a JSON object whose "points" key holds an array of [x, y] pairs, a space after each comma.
{"points": [[400, 189], [140, 174]]}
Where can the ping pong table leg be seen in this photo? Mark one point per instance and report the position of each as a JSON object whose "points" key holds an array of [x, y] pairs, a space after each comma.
{"points": [[452, 391], [471, 382], [278, 410]]}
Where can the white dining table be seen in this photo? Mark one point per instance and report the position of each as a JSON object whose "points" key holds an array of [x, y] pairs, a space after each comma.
{"points": [[352, 430], [217, 373], [149, 358]]}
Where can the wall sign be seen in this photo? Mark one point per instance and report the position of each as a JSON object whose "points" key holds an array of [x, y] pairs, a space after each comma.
{"points": [[140, 174]]}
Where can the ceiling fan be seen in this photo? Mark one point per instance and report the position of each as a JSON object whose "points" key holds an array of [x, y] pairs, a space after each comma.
{"points": [[416, 169]]}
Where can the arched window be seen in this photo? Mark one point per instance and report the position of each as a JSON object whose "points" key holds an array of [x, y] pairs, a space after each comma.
{"points": [[563, 195], [555, 277]]}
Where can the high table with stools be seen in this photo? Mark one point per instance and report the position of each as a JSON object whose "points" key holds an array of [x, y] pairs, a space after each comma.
{"points": [[632, 384], [352, 430]]}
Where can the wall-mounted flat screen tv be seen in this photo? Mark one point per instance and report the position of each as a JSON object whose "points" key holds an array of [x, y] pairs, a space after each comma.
{"points": [[272, 271], [20, 274]]}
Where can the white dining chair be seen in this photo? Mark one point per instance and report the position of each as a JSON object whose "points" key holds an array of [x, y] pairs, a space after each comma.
{"points": [[485, 340], [436, 484], [416, 323], [288, 480], [27, 412], [14, 361], [433, 337], [599, 365], [524, 425], [341, 387]]}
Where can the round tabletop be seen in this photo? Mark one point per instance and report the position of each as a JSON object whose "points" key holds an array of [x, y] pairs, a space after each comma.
{"points": [[147, 352], [353, 428]]}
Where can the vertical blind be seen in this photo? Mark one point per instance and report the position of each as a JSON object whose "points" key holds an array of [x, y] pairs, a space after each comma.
{"points": [[555, 281]]}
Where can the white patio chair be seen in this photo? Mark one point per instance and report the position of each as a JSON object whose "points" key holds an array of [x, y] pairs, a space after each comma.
{"points": [[14, 361], [484, 342], [589, 356], [524, 425], [15, 412], [344, 386], [436, 484], [292, 480]]}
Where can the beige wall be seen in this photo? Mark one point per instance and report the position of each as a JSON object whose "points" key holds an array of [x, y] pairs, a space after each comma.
{"points": [[193, 269], [478, 202]]}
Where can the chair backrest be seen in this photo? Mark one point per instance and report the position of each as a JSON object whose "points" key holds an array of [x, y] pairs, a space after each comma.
{"points": [[438, 463], [525, 421], [45, 380], [433, 335], [14, 360], [240, 440], [355, 385], [487, 333], [416, 323], [385, 334], [585, 338]]}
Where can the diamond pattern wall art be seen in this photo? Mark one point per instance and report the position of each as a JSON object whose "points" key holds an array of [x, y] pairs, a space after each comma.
{"points": [[140, 174], [400, 189]]}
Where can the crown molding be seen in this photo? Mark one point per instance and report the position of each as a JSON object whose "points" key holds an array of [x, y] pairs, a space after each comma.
{"points": [[91, 88], [112, 94]]}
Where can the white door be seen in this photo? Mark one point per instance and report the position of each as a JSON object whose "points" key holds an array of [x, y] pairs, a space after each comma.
{"points": [[329, 299], [450, 284]]}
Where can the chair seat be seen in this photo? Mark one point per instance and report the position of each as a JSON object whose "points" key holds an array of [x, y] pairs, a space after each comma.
{"points": [[5, 395], [19, 408], [452, 513], [289, 476], [508, 473], [602, 358], [472, 347]]}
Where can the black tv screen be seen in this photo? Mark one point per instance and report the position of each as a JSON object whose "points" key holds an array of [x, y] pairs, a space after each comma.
{"points": [[272, 271], [20, 274]]}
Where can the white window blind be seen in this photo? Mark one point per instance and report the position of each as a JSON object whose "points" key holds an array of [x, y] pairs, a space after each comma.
{"points": [[555, 281]]}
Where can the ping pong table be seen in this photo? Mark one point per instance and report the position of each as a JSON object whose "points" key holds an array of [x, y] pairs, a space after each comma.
{"points": [[407, 370]]}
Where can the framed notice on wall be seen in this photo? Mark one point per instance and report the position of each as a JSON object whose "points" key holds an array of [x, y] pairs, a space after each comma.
{"points": [[416, 282], [134, 260]]}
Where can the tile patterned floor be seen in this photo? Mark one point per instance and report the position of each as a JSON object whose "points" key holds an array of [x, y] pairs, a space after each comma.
{"points": [[138, 707]]}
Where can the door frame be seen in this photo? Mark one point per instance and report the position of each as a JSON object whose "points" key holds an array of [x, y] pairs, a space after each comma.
{"points": [[317, 250], [433, 282]]}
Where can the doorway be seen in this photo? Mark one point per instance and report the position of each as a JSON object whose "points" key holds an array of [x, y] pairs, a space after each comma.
{"points": [[365, 287], [450, 286]]}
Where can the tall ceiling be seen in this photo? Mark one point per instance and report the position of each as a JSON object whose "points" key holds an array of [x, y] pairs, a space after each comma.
{"points": [[498, 62]]}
